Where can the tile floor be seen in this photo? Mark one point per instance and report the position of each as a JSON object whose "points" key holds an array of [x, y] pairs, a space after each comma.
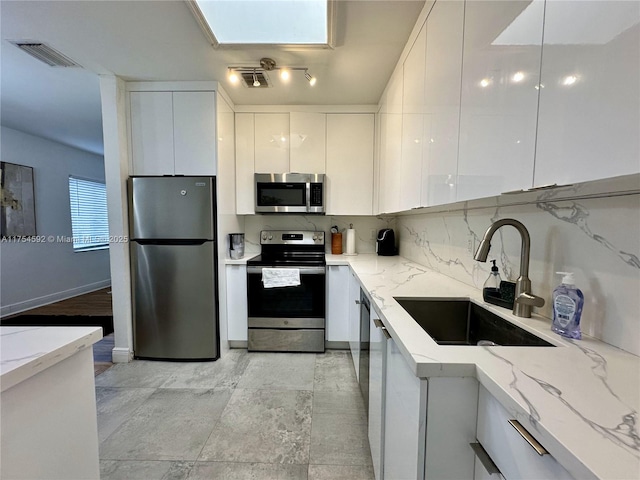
{"points": [[246, 416]]}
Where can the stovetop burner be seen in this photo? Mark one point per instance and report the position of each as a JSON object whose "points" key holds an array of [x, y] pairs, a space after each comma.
{"points": [[290, 248]]}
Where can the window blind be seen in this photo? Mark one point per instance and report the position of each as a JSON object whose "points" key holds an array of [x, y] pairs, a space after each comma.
{"points": [[89, 222]]}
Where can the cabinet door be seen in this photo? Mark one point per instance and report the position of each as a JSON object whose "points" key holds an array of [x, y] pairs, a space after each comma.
{"points": [[350, 164], [338, 303], [590, 104], [413, 123], [272, 142], [377, 364], [442, 103], [499, 97], [403, 423], [391, 146], [152, 133], [308, 142], [451, 426], [237, 302], [245, 151], [354, 322], [194, 131]]}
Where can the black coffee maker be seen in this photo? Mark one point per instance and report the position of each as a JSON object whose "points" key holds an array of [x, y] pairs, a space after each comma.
{"points": [[386, 243]]}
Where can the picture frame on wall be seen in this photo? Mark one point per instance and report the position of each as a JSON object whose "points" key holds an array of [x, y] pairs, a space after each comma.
{"points": [[17, 201]]}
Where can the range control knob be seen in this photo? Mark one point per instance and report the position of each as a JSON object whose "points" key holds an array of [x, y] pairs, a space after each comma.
{"points": [[264, 236], [315, 237], [270, 237]]}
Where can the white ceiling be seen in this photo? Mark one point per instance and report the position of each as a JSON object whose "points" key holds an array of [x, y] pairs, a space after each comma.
{"points": [[161, 40]]}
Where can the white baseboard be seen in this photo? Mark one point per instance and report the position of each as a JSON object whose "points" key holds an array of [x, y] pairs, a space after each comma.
{"points": [[121, 355], [51, 298]]}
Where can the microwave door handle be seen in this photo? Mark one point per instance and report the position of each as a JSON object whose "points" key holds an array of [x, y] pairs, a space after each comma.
{"points": [[308, 187]]}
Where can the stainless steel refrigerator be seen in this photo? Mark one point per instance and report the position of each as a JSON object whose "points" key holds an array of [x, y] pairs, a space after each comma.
{"points": [[174, 267]]}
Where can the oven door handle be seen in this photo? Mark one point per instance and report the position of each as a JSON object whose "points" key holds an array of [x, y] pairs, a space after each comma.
{"points": [[303, 270]]}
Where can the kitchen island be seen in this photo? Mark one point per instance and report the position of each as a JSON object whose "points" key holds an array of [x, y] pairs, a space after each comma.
{"points": [[580, 399], [48, 407]]}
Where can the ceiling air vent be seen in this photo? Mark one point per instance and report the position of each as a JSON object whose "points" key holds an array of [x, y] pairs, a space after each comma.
{"points": [[46, 54], [249, 79]]}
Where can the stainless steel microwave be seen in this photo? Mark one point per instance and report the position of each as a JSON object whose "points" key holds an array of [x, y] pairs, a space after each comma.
{"points": [[290, 193]]}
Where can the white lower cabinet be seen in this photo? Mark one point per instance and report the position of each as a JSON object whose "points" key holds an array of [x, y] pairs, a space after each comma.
{"points": [[377, 365], [237, 313], [508, 449], [337, 308], [451, 427], [354, 322], [404, 419]]}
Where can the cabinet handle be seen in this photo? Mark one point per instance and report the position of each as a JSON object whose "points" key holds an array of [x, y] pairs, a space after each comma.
{"points": [[484, 458], [540, 450], [358, 302], [378, 323]]}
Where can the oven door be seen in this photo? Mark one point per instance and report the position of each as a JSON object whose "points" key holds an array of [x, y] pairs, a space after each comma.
{"points": [[282, 197], [300, 305]]}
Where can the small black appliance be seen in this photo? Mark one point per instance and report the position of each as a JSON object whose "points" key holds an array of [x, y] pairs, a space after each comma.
{"points": [[386, 243]]}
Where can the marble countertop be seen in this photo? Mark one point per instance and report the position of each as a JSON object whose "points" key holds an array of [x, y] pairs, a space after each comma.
{"points": [[26, 351], [580, 399]]}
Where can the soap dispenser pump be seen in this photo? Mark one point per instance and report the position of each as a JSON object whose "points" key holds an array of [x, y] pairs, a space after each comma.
{"points": [[491, 286]]}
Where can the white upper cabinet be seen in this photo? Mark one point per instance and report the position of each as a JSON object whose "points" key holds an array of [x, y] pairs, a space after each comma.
{"points": [[499, 96], [245, 156], [442, 102], [173, 133], [413, 123], [391, 146], [590, 104], [308, 142], [271, 142], [151, 133], [194, 132], [350, 164]]}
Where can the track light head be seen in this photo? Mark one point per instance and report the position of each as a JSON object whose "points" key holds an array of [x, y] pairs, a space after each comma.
{"points": [[312, 80]]}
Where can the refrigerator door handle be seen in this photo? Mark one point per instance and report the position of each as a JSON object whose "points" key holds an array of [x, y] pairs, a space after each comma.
{"points": [[155, 241]]}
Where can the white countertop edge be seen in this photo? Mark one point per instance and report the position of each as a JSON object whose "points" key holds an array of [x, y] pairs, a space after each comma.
{"points": [[426, 358], [27, 351], [239, 261]]}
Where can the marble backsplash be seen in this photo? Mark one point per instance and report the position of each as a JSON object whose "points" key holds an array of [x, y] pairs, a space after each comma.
{"points": [[596, 238], [366, 228]]}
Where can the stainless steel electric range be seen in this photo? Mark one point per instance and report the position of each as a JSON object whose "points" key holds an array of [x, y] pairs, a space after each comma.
{"points": [[287, 318]]}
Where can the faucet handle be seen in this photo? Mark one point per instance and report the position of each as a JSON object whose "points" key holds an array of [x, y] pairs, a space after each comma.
{"points": [[528, 299]]}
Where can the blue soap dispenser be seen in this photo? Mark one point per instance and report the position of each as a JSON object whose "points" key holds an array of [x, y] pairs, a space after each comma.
{"points": [[567, 307]]}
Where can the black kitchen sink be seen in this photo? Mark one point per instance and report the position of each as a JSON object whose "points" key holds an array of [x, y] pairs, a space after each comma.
{"points": [[461, 322]]}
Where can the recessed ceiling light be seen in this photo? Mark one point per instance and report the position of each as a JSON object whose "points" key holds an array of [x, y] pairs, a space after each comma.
{"points": [[485, 82], [569, 80]]}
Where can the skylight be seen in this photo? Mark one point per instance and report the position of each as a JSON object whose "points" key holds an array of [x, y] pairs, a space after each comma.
{"points": [[267, 22]]}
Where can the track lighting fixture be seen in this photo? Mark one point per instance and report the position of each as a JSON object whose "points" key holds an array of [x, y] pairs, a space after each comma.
{"points": [[312, 80], [255, 77]]}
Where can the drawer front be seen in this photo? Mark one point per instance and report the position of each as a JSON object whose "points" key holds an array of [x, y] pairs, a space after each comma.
{"points": [[276, 340], [515, 458]]}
